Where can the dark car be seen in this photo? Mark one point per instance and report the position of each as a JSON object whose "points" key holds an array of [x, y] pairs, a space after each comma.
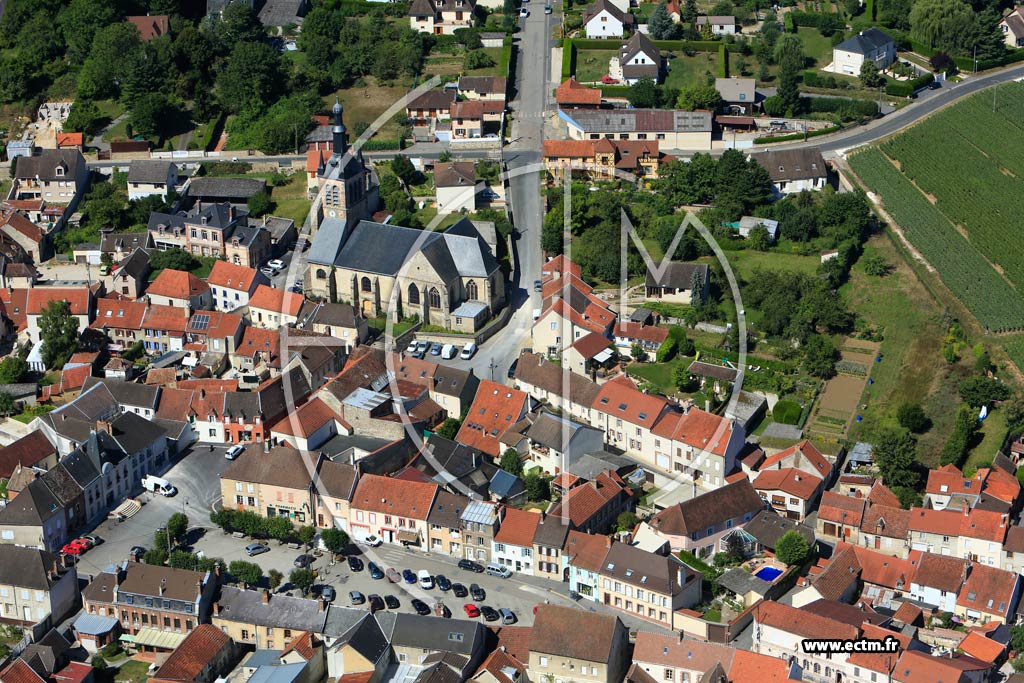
{"points": [[302, 561], [376, 603], [536, 285], [478, 593], [459, 591], [512, 369], [442, 582], [422, 609], [489, 613], [392, 602], [137, 551], [328, 594], [376, 572], [355, 564], [409, 576], [470, 565], [356, 598], [435, 350]]}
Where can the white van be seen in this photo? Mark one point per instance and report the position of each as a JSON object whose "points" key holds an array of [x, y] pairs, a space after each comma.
{"points": [[495, 569], [448, 351], [158, 485], [468, 350], [425, 579]]}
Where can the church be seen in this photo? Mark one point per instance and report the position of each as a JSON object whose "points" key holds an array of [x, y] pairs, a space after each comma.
{"points": [[450, 278]]}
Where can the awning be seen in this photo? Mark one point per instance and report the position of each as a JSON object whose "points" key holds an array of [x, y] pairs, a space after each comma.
{"points": [[408, 537], [126, 638], [603, 355], [126, 509], [95, 624], [189, 361], [151, 637]]}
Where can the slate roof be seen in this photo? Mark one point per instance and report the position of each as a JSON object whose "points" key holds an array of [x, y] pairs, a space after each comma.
{"points": [[283, 466], [127, 393], [678, 275], [225, 188], [281, 611], [641, 120], [44, 165], [435, 634], [454, 174], [768, 527], [574, 633], [709, 509], [866, 42], [26, 567], [803, 163], [149, 171]]}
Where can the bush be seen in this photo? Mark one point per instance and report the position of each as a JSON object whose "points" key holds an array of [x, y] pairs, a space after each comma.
{"points": [[787, 412], [844, 106], [908, 88], [723, 61], [912, 418], [792, 548], [667, 351], [789, 23]]}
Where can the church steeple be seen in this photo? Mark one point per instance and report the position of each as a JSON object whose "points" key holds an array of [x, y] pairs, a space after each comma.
{"points": [[340, 137]]}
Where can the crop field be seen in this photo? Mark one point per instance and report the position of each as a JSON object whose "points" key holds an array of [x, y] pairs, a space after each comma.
{"points": [[959, 254]]}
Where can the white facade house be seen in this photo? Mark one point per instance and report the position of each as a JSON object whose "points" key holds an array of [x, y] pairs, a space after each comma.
{"points": [[455, 183], [148, 177], [849, 55], [720, 25], [512, 546], [604, 20]]}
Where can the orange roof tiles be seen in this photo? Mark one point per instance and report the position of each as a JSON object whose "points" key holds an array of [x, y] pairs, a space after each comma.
{"points": [[515, 640], [560, 264], [389, 496], [570, 92], [621, 399], [908, 613], [303, 645], [835, 507], [1002, 485], [495, 408], [669, 650], [306, 420], [15, 307], [980, 647], [177, 284], [989, 590], [592, 344], [586, 551], [23, 225], [802, 623], [790, 481], [568, 149], [880, 494], [886, 570], [698, 428], [276, 300], [199, 648], [940, 571], [165, 318], [987, 525], [175, 404], [919, 667], [314, 159], [70, 140], [232, 276], [587, 500], [150, 26], [881, 662], [803, 456], [258, 340], [518, 527], [753, 667], [124, 315], [943, 522], [648, 333], [20, 672], [948, 480], [77, 297]]}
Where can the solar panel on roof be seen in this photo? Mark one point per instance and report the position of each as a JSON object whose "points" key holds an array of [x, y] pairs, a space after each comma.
{"points": [[200, 322]]}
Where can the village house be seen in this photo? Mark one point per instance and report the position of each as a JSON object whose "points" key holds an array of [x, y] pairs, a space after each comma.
{"points": [[56, 176], [513, 543], [594, 506], [699, 445], [455, 183], [545, 381], [392, 510], [272, 482], [629, 335], [151, 177], [151, 26], [163, 328], [132, 274], [264, 621], [180, 289], [574, 95], [495, 410], [718, 25], [603, 159], [870, 44], [206, 230], [341, 321], [603, 19], [628, 415], [479, 523], [1012, 26], [647, 585], [989, 595], [639, 59], [444, 523], [794, 170], [672, 128], [441, 17], [35, 587], [938, 581], [569, 309], [274, 308], [677, 282], [594, 645], [739, 95], [232, 285], [80, 300]]}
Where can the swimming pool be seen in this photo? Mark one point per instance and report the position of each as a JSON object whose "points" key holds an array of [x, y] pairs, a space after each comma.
{"points": [[768, 574]]}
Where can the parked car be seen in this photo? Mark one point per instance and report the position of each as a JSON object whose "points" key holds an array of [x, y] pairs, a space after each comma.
{"points": [[302, 561], [468, 350], [523, 12], [137, 551], [276, 264], [375, 571], [356, 598], [489, 613], [470, 565], [328, 594], [409, 576], [373, 541], [425, 579], [459, 591], [508, 617], [355, 564], [392, 575], [93, 538], [471, 610], [392, 602], [73, 548], [537, 286], [268, 271], [234, 451], [548, 9], [478, 593], [435, 350], [84, 542], [376, 603], [420, 607], [608, 80], [512, 369], [442, 582], [254, 549], [422, 346], [489, 194]]}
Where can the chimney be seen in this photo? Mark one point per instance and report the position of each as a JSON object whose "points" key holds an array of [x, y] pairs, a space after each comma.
{"points": [[231, 212], [216, 609], [266, 446], [104, 426], [202, 393], [163, 586], [266, 596], [321, 604], [216, 569], [199, 589], [967, 510], [608, 542]]}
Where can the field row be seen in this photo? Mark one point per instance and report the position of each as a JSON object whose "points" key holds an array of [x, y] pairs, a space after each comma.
{"points": [[963, 268]]}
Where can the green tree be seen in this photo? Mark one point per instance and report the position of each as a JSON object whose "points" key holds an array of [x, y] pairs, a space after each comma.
{"points": [[980, 391], [182, 559], [175, 259], [155, 556], [876, 265], [153, 115], [85, 117], [58, 333], [911, 417], [960, 441], [870, 76], [334, 539], [759, 238], [792, 548], [699, 97], [248, 573], [819, 356], [537, 487], [477, 59], [660, 24], [251, 78], [895, 457], [274, 578], [402, 167], [626, 521], [238, 23], [6, 403], [177, 527], [13, 369], [941, 23], [98, 663], [449, 428], [260, 204], [108, 60], [511, 462], [279, 528], [306, 535], [638, 353], [644, 94], [301, 578]]}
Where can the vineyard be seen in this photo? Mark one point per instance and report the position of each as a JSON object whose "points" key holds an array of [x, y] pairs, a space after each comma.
{"points": [[963, 267]]}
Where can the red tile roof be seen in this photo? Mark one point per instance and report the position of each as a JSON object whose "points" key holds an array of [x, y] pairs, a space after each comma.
{"points": [[988, 590], [1002, 485], [175, 404], [753, 667], [697, 428], [940, 571], [518, 527], [987, 525], [122, 315], [177, 284], [258, 340], [886, 570], [165, 318], [314, 159], [570, 92], [648, 333], [407, 499], [151, 26], [835, 507], [943, 522], [199, 648], [880, 662], [585, 501], [27, 450], [503, 667], [232, 276], [842, 570], [919, 667], [23, 225], [948, 480], [883, 520], [880, 494], [70, 140], [495, 408], [802, 623], [77, 297], [303, 645], [20, 672], [276, 300], [74, 672], [662, 649], [15, 307], [559, 264], [306, 420], [586, 551], [620, 398], [803, 456], [791, 481], [569, 149], [591, 344], [980, 647], [515, 640]]}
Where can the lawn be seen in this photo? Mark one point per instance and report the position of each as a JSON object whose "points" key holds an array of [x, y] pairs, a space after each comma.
{"points": [[993, 431], [591, 65], [658, 374], [290, 199], [134, 671], [117, 132], [364, 104], [453, 65], [429, 213], [5, 187], [745, 262], [686, 71], [816, 46]]}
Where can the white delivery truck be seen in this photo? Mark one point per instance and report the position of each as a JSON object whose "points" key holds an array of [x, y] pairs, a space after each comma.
{"points": [[158, 485], [448, 351]]}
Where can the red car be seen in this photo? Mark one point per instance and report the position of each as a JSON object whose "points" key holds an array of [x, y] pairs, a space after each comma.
{"points": [[73, 548], [608, 80], [84, 542], [471, 610]]}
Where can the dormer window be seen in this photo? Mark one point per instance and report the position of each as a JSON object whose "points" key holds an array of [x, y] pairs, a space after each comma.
{"points": [[59, 170]]}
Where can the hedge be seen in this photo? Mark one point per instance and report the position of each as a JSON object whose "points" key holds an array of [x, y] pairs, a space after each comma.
{"points": [[797, 136], [506, 55], [870, 10], [815, 79], [787, 412], [723, 61], [788, 23], [614, 90], [826, 24], [378, 144], [568, 58], [908, 88], [831, 105], [671, 45]]}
